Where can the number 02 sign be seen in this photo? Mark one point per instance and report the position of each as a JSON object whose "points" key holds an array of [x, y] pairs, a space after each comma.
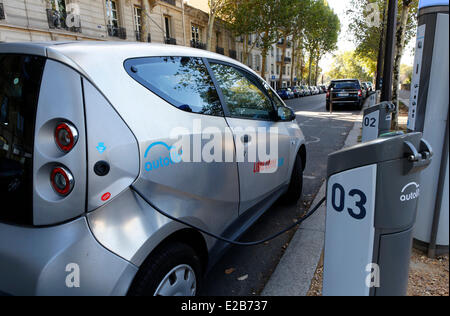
{"points": [[349, 231], [370, 126]]}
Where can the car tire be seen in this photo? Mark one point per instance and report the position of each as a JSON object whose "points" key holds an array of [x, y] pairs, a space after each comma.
{"points": [[294, 191], [160, 266]]}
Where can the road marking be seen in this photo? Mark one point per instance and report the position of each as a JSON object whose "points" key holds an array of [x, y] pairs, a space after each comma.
{"points": [[316, 140], [310, 177]]}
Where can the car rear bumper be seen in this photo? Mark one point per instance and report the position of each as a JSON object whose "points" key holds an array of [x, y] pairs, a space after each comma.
{"points": [[344, 102], [44, 261]]}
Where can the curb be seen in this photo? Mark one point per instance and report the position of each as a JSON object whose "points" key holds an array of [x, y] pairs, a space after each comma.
{"points": [[296, 269]]}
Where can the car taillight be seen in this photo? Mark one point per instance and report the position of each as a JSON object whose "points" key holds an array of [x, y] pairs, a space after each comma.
{"points": [[66, 136], [62, 181], [359, 93]]}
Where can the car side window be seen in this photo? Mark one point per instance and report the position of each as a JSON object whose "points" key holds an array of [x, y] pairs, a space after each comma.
{"points": [[274, 96], [182, 81], [243, 96]]}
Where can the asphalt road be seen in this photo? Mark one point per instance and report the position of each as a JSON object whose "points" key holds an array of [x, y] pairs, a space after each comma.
{"points": [[249, 268]]}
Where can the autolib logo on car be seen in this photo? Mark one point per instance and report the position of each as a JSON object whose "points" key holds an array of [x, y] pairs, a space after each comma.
{"points": [[161, 162], [412, 195]]}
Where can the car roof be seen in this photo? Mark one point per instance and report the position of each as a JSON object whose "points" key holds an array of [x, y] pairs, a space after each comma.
{"points": [[339, 80], [82, 54]]}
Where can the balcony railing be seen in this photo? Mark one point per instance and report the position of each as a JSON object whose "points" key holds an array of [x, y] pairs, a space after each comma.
{"points": [[170, 40], [220, 50], [2, 12], [172, 2], [57, 20], [119, 32], [139, 34], [232, 53], [198, 44], [287, 59]]}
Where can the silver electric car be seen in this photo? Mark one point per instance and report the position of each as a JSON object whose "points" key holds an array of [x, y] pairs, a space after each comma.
{"points": [[87, 156]]}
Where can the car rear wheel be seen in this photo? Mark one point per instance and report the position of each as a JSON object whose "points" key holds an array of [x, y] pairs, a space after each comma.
{"points": [[294, 191], [173, 270]]}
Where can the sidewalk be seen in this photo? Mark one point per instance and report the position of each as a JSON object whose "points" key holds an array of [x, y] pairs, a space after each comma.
{"points": [[293, 275]]}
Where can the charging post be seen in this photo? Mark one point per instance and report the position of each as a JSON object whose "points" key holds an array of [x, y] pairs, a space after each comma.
{"points": [[372, 195], [429, 114], [377, 121]]}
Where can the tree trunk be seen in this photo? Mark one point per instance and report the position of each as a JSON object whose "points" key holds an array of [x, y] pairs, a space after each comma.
{"points": [[317, 69], [264, 55], [245, 50], [311, 57], [264, 61], [301, 66], [400, 43], [294, 51], [211, 19], [145, 25], [283, 55]]}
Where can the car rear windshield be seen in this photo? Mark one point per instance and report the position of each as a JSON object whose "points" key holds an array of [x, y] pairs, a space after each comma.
{"points": [[20, 79], [182, 81], [353, 85]]}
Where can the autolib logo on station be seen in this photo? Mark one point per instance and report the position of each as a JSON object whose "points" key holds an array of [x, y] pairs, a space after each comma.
{"points": [[161, 162], [411, 194]]}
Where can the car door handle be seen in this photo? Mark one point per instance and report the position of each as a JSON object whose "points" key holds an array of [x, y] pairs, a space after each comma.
{"points": [[246, 139]]}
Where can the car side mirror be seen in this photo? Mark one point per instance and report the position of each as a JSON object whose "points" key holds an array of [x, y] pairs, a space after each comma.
{"points": [[286, 114]]}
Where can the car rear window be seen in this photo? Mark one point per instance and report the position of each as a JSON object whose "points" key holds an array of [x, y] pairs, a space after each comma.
{"points": [[20, 79], [182, 81], [345, 85]]}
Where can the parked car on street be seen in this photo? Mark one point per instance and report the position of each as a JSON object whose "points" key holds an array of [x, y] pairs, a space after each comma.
{"points": [[297, 92], [365, 90], [91, 165], [345, 92], [370, 86], [285, 93], [306, 91]]}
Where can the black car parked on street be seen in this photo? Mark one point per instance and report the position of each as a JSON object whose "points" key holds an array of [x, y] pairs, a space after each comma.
{"points": [[345, 92]]}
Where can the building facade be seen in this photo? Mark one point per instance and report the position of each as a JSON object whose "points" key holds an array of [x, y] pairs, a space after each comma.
{"points": [[274, 68], [170, 21]]}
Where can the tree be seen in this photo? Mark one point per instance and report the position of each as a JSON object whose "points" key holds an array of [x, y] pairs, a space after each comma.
{"points": [[288, 11], [368, 34], [367, 29], [406, 72], [402, 36], [348, 65], [270, 13], [322, 27], [331, 28], [214, 8], [241, 18]]}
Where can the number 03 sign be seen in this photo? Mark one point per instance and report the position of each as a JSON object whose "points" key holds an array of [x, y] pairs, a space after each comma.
{"points": [[349, 230]]}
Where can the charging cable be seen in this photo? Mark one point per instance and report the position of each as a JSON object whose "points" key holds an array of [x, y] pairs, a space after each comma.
{"points": [[233, 242]]}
